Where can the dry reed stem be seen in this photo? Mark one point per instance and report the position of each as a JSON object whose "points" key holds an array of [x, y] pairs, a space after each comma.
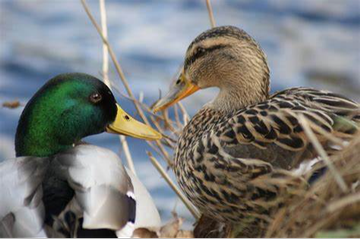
{"points": [[160, 148], [169, 141], [173, 186], [146, 108], [114, 59], [105, 69], [186, 117], [310, 134], [174, 127], [122, 76], [127, 153], [211, 14], [351, 199], [328, 135], [105, 66], [177, 118], [325, 207]]}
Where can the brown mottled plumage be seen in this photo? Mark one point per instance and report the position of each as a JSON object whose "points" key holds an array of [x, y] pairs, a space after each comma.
{"points": [[233, 158]]}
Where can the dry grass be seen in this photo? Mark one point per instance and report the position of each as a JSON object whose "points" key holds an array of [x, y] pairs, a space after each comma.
{"points": [[325, 210], [322, 210]]}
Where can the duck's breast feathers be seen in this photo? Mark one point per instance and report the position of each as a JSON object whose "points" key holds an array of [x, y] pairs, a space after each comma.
{"points": [[102, 187], [21, 208]]}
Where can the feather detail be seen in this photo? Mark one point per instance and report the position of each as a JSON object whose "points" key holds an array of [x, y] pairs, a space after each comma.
{"points": [[101, 185], [105, 197], [21, 209], [233, 166]]}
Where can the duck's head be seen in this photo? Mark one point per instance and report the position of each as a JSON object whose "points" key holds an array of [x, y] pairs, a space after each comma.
{"points": [[225, 57], [68, 108]]}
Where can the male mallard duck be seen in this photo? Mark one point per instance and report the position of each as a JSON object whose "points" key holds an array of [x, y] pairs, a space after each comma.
{"points": [[227, 155], [59, 187]]}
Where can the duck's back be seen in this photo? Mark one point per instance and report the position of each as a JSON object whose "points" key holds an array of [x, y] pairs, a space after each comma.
{"points": [[270, 130], [219, 153]]}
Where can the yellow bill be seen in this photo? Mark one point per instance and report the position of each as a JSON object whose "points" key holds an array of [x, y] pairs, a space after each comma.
{"points": [[126, 125], [178, 91]]}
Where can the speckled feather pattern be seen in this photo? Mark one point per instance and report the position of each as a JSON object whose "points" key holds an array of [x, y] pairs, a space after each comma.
{"points": [[232, 166]]}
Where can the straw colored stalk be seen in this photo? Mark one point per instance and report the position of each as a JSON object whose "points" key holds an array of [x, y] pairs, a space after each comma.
{"points": [[105, 71], [123, 79], [211, 13], [176, 127], [326, 210]]}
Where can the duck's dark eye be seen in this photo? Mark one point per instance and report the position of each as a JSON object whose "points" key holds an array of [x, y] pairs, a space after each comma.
{"points": [[95, 98], [178, 81]]}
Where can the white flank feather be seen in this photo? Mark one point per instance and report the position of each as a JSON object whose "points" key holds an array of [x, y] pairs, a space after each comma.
{"points": [[100, 183], [147, 214], [21, 208], [104, 191]]}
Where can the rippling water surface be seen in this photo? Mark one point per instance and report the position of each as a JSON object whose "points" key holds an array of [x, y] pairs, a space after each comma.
{"points": [[308, 43]]}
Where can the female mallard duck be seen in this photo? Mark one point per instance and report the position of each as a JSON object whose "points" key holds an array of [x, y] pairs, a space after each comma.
{"points": [[227, 155], [58, 187]]}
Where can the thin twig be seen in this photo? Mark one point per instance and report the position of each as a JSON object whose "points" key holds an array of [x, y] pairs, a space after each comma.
{"points": [[166, 138], [184, 112], [141, 97], [115, 61], [146, 108], [310, 134], [211, 14], [105, 69], [105, 66], [345, 201], [177, 118], [328, 135], [127, 153], [173, 186], [318, 129], [122, 76]]}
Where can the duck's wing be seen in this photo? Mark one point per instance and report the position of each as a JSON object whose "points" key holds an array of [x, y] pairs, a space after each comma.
{"points": [[21, 208], [271, 131], [147, 215], [107, 196], [104, 193]]}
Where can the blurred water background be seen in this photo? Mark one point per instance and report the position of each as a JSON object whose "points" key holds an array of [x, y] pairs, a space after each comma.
{"points": [[308, 43]]}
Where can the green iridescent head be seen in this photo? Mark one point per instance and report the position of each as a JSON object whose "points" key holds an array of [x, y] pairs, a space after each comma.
{"points": [[68, 108]]}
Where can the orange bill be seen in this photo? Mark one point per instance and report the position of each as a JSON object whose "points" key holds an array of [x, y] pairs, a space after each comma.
{"points": [[181, 89]]}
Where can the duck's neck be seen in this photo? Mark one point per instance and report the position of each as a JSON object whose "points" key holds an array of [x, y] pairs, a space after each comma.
{"points": [[231, 100], [238, 95]]}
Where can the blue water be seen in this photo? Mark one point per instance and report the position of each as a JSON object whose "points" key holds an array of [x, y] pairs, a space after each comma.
{"points": [[308, 43]]}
